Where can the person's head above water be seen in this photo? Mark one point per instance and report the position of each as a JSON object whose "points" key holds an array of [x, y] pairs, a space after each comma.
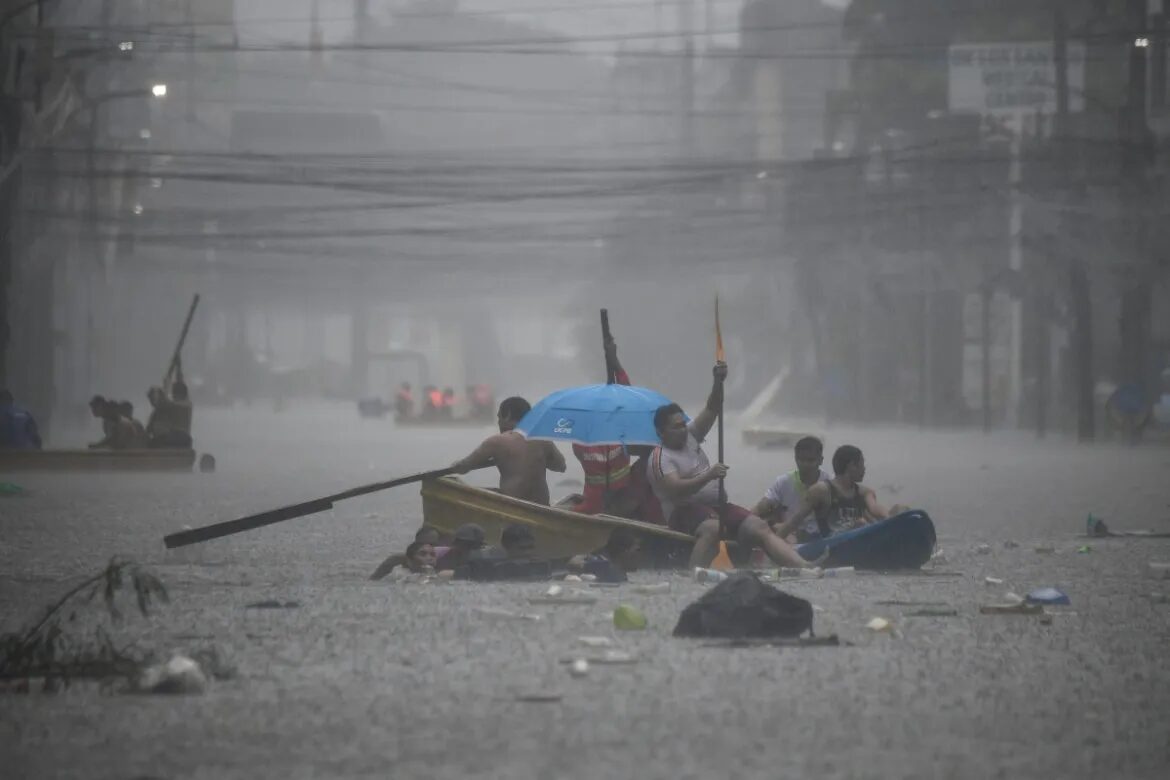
{"points": [[810, 454], [427, 534], [511, 411], [849, 462], [518, 541], [624, 549], [671, 424], [420, 557], [469, 537]]}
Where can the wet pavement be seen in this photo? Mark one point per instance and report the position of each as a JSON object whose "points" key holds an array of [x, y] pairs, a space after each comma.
{"points": [[412, 680]]}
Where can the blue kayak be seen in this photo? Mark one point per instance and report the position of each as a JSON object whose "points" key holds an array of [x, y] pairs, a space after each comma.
{"points": [[904, 541]]}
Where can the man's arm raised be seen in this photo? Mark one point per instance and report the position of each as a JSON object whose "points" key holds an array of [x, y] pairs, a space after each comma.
{"points": [[703, 421]]}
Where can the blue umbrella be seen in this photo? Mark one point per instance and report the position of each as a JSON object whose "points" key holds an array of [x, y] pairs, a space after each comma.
{"points": [[596, 414]]}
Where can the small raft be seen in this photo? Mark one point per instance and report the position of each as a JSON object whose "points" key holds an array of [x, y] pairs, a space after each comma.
{"points": [[905, 541], [97, 460]]}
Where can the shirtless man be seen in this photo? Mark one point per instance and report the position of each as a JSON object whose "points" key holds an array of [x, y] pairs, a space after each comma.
{"points": [[521, 462], [842, 502]]}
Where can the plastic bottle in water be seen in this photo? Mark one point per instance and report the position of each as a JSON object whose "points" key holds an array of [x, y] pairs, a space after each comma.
{"points": [[709, 575], [839, 571], [789, 572]]}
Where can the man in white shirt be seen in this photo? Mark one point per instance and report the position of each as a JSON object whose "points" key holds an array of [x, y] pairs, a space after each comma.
{"points": [[687, 486], [788, 492]]}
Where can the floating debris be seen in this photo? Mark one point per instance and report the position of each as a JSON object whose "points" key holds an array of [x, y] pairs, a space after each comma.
{"points": [[992, 581], [595, 641], [273, 604], [1020, 608], [983, 549], [579, 667], [879, 624], [178, 675], [933, 613], [503, 613], [1048, 596], [627, 618]]}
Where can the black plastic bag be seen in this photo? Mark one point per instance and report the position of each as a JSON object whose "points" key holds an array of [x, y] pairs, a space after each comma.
{"points": [[743, 607]]}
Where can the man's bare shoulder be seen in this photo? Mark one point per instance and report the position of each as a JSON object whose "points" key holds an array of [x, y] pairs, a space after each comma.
{"points": [[819, 490]]}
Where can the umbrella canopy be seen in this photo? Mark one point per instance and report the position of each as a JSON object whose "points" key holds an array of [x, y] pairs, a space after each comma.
{"points": [[596, 414]]}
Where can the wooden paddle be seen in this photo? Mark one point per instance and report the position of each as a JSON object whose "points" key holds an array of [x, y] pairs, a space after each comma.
{"points": [[610, 373], [174, 364], [720, 357], [229, 527]]}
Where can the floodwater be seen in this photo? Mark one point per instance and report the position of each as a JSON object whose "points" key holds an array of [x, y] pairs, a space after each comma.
{"points": [[409, 680]]}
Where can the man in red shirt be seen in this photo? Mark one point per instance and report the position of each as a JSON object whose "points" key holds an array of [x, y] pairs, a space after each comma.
{"points": [[608, 482]]}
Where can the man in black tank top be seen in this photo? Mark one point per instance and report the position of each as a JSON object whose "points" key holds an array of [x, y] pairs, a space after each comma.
{"points": [[841, 503]]}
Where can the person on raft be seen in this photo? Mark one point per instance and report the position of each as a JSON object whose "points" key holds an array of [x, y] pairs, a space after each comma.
{"points": [[522, 463], [687, 486], [842, 503], [787, 493]]}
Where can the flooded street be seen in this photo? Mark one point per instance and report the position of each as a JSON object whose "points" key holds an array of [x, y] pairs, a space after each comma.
{"points": [[403, 680]]}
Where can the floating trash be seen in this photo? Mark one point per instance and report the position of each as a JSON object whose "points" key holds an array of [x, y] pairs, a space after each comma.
{"points": [[1014, 608], [933, 613], [1084, 549], [992, 581], [1048, 596], [879, 624], [983, 549], [627, 618], [273, 604], [595, 641], [579, 667], [503, 613], [178, 675]]}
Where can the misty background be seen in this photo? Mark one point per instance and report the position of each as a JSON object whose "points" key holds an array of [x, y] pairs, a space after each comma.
{"points": [[944, 213]]}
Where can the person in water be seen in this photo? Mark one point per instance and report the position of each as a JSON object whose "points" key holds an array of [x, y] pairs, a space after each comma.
{"points": [[522, 463], [420, 558], [842, 503], [687, 486], [621, 555], [787, 493], [518, 541], [424, 535]]}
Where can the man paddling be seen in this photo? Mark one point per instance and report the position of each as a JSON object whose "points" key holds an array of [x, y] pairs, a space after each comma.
{"points": [[522, 463], [686, 485], [842, 503]]}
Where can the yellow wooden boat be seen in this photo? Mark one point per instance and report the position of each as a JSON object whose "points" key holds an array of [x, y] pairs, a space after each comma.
{"points": [[449, 502], [97, 460]]}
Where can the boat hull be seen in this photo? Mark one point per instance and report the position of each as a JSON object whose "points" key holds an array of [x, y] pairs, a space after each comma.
{"points": [[905, 541], [97, 460], [449, 502]]}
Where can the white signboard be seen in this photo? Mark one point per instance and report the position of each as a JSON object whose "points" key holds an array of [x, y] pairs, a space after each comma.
{"points": [[1012, 78]]}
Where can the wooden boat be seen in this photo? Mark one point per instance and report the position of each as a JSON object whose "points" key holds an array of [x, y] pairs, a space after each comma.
{"points": [[765, 436], [97, 460], [449, 502]]}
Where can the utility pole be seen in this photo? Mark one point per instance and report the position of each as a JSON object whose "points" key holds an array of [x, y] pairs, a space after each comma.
{"points": [[1137, 152]]}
